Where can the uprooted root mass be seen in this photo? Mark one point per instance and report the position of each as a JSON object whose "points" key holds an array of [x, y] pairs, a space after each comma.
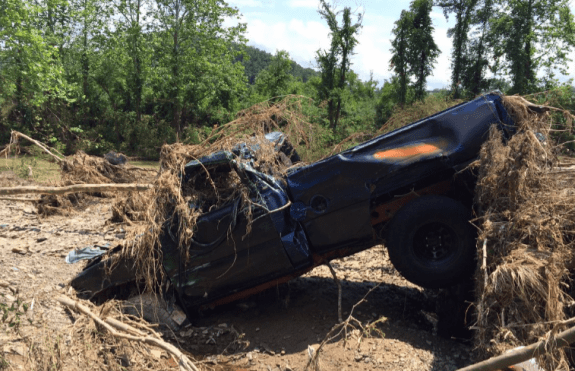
{"points": [[526, 240]]}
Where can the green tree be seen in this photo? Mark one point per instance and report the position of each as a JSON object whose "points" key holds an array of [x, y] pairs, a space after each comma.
{"points": [[533, 34], [132, 27], [195, 59], [30, 68], [276, 79], [474, 80], [400, 54], [423, 51], [89, 18], [335, 63], [463, 11]]}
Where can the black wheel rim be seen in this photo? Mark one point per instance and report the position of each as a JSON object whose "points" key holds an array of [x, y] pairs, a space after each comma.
{"points": [[434, 242]]}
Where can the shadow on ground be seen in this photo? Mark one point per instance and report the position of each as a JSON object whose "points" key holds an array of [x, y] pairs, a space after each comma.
{"points": [[291, 317]]}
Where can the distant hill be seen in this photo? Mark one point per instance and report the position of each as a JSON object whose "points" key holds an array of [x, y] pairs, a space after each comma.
{"points": [[258, 60]]}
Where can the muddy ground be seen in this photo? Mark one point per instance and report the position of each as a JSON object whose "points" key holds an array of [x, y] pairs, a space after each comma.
{"points": [[274, 330]]}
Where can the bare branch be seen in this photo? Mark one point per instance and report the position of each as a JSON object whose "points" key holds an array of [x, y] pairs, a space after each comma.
{"points": [[75, 188]]}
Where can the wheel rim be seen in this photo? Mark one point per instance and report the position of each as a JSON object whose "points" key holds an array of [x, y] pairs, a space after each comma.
{"points": [[434, 242]]}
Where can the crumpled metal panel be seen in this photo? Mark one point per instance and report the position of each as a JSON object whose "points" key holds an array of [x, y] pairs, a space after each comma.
{"points": [[223, 258], [332, 197]]}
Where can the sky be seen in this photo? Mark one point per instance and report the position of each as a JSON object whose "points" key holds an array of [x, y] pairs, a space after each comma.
{"points": [[297, 27]]}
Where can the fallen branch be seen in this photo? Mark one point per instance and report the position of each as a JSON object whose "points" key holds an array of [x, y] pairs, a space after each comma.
{"points": [[19, 199], [16, 134], [502, 361], [75, 188], [5, 151], [336, 331], [112, 325]]}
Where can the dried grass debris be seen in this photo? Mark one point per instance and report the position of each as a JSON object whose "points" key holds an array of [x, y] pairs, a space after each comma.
{"points": [[526, 239], [180, 200], [76, 169]]}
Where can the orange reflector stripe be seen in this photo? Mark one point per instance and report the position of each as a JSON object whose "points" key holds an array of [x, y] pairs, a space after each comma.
{"points": [[407, 151]]}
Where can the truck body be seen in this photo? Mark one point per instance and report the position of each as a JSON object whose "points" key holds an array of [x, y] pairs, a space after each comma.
{"points": [[408, 187]]}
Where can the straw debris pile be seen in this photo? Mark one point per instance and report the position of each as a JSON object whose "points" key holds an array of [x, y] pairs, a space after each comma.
{"points": [[172, 194], [81, 168], [526, 240]]}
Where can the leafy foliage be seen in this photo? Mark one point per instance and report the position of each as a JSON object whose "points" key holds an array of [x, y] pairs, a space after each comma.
{"points": [[255, 60], [414, 50], [335, 63], [511, 38], [400, 48], [423, 51], [131, 75], [463, 10], [538, 34], [275, 80]]}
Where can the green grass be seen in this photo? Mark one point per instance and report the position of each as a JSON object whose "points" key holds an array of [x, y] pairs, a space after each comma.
{"points": [[43, 171], [146, 164]]}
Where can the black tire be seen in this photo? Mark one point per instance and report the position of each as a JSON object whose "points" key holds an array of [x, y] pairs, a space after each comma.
{"points": [[431, 242]]}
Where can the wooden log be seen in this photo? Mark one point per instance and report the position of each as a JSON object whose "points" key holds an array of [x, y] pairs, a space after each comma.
{"points": [[16, 134], [74, 188], [520, 355]]}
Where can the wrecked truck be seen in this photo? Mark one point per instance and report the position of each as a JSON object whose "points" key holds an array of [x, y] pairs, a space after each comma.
{"points": [[409, 189]]}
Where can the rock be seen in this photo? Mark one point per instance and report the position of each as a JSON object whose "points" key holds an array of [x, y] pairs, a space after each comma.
{"points": [[9, 298], [186, 333], [18, 348], [115, 158], [29, 210], [19, 250]]}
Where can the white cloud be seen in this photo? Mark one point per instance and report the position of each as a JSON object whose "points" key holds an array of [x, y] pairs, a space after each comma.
{"points": [[246, 3], [309, 4], [442, 71], [372, 53], [300, 38], [437, 15]]}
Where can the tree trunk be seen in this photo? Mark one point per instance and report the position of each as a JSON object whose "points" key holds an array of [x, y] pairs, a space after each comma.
{"points": [[137, 66], [176, 74]]}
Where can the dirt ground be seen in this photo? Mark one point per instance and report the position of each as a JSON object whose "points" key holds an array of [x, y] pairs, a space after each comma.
{"points": [[274, 330]]}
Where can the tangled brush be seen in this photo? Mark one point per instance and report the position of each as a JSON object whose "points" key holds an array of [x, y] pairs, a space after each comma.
{"points": [[170, 199], [79, 168], [526, 240]]}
